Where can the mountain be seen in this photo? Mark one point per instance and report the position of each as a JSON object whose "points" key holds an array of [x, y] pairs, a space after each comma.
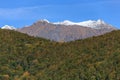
{"points": [[8, 27], [67, 30], [23, 57]]}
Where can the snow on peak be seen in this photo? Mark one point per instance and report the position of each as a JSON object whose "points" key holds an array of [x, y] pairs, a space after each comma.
{"points": [[8, 27], [99, 21], [44, 20], [65, 22], [90, 23]]}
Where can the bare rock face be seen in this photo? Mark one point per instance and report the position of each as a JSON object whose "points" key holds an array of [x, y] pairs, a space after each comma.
{"points": [[67, 31]]}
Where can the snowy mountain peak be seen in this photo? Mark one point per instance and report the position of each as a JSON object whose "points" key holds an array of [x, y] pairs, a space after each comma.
{"points": [[8, 27], [65, 22], [98, 24], [44, 20], [99, 21]]}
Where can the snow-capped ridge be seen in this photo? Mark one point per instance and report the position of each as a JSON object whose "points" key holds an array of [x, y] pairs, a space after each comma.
{"points": [[8, 27], [43, 20], [65, 22], [99, 21], [96, 24]]}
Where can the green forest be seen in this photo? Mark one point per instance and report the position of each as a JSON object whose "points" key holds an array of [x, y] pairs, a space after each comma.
{"points": [[23, 57]]}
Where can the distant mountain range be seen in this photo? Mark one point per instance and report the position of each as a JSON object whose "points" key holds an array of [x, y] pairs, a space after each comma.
{"points": [[66, 30]]}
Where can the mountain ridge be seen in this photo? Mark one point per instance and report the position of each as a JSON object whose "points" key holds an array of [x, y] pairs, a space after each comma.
{"points": [[87, 23], [66, 30], [61, 32]]}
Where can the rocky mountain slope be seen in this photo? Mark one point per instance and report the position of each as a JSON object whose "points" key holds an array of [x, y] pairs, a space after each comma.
{"points": [[67, 30]]}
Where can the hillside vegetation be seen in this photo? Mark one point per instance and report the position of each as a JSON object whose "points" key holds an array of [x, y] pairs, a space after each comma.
{"points": [[27, 58]]}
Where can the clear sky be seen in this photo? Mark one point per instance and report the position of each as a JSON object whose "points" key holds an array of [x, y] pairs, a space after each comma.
{"points": [[20, 13]]}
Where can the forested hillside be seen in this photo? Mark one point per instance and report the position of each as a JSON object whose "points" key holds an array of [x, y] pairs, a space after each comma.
{"points": [[28, 58]]}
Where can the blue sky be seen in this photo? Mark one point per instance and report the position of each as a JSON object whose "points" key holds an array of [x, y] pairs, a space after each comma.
{"points": [[20, 13]]}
